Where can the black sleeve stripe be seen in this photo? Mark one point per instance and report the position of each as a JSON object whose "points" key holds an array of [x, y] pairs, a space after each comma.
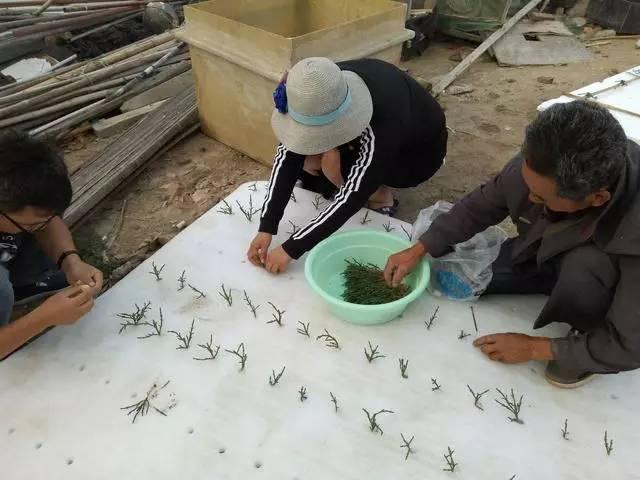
{"points": [[352, 184], [281, 154]]}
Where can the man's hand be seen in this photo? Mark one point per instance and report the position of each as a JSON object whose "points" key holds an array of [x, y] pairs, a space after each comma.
{"points": [[259, 249], [277, 261], [66, 307], [514, 347], [400, 264], [79, 272]]}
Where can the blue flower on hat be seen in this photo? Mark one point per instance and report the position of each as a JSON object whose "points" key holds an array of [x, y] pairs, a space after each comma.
{"points": [[280, 97]]}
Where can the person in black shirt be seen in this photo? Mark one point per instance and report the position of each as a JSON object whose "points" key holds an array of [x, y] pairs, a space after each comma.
{"points": [[351, 131], [38, 257]]}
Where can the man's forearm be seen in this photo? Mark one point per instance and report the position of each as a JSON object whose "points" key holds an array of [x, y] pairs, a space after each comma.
{"points": [[19, 332], [55, 239]]}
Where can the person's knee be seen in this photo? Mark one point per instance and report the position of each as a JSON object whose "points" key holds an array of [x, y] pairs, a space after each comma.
{"points": [[6, 297], [587, 263]]}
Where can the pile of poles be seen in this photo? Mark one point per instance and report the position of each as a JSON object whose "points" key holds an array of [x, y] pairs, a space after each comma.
{"points": [[58, 104], [23, 20]]}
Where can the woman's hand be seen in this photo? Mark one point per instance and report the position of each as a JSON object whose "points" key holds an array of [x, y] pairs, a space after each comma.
{"points": [[277, 261], [259, 248]]}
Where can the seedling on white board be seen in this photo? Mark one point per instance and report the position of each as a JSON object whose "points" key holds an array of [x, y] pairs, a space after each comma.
{"points": [[334, 400], [226, 294], [329, 340], [608, 444], [200, 293], [157, 327], [565, 430], [406, 444], [293, 197], [184, 341], [511, 404], [463, 335], [303, 393], [374, 426], [142, 407], [277, 315], [182, 280], [134, 319], [249, 303], [477, 397], [241, 354], [226, 209], [317, 201], [365, 219], [406, 232], [155, 271], [433, 317], [249, 211], [451, 463], [372, 354], [303, 329], [210, 349], [404, 364], [473, 314], [436, 385], [294, 228], [387, 227], [275, 378]]}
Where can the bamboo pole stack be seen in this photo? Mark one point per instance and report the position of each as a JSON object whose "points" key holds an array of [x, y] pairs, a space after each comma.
{"points": [[24, 21], [54, 103]]}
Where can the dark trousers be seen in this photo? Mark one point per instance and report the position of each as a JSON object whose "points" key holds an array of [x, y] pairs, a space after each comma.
{"points": [[26, 268], [580, 284]]}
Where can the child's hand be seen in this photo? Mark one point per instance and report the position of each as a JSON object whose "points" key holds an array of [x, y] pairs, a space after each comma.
{"points": [[66, 307], [259, 249]]}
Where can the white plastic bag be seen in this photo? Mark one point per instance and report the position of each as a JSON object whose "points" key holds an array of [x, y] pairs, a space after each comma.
{"points": [[465, 273]]}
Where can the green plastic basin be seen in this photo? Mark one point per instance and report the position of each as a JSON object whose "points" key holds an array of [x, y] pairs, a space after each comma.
{"points": [[326, 262]]}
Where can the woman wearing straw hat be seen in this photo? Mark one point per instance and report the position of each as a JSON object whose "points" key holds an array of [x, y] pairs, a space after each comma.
{"points": [[350, 131]]}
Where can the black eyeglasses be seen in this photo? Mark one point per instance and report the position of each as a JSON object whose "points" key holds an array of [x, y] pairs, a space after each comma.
{"points": [[28, 227]]}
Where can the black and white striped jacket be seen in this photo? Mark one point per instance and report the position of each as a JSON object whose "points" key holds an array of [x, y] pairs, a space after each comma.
{"points": [[408, 126]]}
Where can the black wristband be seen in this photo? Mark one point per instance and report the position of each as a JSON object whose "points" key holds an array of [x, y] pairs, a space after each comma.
{"points": [[64, 255]]}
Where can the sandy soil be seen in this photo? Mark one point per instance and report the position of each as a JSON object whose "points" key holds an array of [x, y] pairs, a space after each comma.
{"points": [[487, 128]]}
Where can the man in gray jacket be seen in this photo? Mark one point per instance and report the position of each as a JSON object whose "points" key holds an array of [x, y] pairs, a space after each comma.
{"points": [[573, 196]]}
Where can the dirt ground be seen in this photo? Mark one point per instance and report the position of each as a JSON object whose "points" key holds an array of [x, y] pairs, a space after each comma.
{"points": [[486, 125]]}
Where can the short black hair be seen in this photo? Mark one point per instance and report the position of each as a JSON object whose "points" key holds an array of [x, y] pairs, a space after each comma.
{"points": [[32, 174], [578, 144]]}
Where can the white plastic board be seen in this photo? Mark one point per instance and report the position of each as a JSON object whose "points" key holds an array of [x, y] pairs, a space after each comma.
{"points": [[624, 95], [61, 397]]}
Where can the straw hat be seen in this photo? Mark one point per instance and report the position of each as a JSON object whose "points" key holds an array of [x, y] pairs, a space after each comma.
{"points": [[325, 107]]}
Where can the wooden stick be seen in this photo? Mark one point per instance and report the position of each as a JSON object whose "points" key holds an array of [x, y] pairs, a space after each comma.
{"points": [[147, 71], [64, 62], [445, 81], [62, 125], [81, 100], [44, 6], [105, 26], [32, 20], [597, 44], [56, 26], [605, 105]]}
